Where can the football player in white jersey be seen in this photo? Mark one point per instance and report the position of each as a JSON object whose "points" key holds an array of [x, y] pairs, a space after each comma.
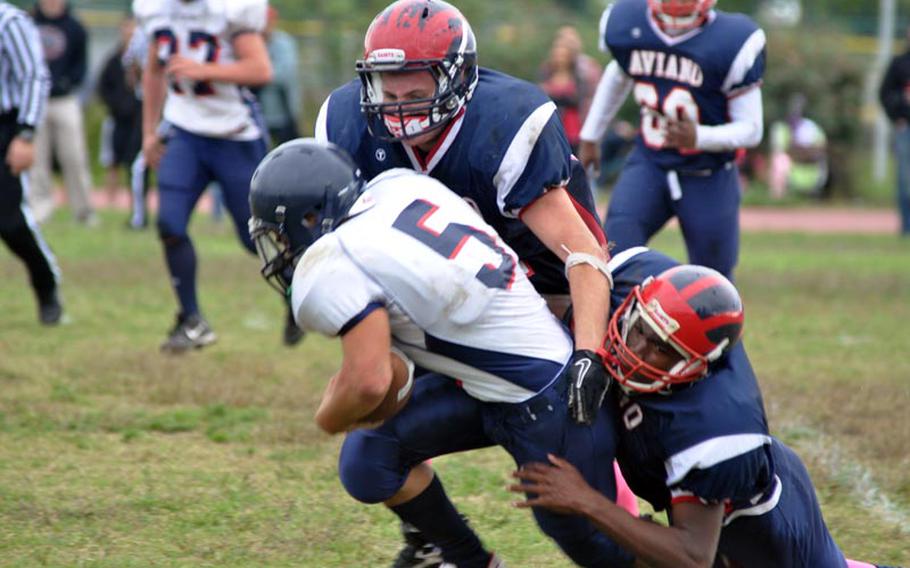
{"points": [[203, 56], [404, 265]]}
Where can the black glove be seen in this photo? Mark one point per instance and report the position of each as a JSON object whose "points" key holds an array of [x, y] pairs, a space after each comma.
{"points": [[588, 384]]}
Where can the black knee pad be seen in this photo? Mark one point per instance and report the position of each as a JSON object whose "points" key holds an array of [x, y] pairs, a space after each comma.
{"points": [[168, 235]]}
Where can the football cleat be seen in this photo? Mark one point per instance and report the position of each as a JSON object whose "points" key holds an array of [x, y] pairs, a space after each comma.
{"points": [[417, 552], [191, 332], [50, 311], [495, 562], [292, 334]]}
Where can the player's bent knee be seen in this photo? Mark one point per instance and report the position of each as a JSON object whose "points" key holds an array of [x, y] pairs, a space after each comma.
{"points": [[11, 225], [170, 234], [367, 469]]}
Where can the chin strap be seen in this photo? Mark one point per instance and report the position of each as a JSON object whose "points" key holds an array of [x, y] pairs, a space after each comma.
{"points": [[576, 258]]}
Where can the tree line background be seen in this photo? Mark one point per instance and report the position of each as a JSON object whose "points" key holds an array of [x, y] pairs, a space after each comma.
{"points": [[828, 56]]}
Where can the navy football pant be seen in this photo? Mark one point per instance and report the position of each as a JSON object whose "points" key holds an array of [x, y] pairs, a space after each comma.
{"points": [[190, 163], [793, 534], [441, 418], [707, 210]]}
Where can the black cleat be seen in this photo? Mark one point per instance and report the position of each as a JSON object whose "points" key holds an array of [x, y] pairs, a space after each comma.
{"points": [[191, 332], [292, 334], [417, 552], [51, 311]]}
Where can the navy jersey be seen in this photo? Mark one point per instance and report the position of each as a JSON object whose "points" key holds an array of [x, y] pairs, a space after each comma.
{"points": [[505, 150], [708, 440], [692, 75]]}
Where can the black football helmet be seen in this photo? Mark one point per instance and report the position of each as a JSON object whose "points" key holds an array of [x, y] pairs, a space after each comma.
{"points": [[300, 191]]}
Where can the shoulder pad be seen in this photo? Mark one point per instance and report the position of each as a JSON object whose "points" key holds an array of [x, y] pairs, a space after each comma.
{"points": [[246, 15], [144, 9]]}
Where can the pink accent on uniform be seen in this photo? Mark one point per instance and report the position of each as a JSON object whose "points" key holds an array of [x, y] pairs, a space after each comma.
{"points": [[855, 564], [624, 496]]}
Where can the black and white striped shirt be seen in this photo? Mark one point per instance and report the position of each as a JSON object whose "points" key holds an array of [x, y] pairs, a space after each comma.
{"points": [[24, 78]]}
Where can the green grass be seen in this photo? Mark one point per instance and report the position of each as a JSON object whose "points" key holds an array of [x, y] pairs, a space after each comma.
{"points": [[112, 455]]}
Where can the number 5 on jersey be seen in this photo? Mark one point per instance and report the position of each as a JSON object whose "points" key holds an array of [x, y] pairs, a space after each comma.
{"points": [[450, 242]]}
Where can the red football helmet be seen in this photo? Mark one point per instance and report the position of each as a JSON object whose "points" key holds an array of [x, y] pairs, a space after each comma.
{"points": [[418, 35], [694, 309], [680, 15]]}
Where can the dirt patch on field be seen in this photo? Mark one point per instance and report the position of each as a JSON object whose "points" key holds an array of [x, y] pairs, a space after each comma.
{"points": [[820, 220]]}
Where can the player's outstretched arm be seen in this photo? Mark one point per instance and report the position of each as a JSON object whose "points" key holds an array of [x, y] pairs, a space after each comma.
{"points": [[612, 90], [690, 543], [364, 378], [556, 222], [154, 88]]}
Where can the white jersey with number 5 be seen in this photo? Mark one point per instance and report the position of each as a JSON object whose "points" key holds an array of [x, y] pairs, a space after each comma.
{"points": [[458, 301], [204, 30]]}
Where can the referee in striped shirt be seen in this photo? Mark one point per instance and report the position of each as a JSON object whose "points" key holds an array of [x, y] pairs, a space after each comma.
{"points": [[24, 87]]}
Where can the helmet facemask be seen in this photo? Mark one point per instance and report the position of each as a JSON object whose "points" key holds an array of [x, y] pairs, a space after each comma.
{"points": [[284, 225], [632, 372], [455, 79], [417, 36], [278, 256], [679, 16]]}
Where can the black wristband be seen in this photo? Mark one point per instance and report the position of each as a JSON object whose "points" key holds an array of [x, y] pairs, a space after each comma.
{"points": [[25, 132]]}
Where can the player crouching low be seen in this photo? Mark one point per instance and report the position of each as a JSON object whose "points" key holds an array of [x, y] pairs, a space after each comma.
{"points": [[694, 437], [404, 262]]}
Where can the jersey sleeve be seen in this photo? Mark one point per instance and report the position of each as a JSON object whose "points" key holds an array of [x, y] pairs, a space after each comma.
{"points": [[330, 294], [321, 129], [246, 16], [537, 159], [145, 11], [736, 479], [748, 66], [340, 121]]}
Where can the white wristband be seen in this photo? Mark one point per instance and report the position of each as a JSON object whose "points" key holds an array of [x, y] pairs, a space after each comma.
{"points": [[403, 391], [576, 258]]}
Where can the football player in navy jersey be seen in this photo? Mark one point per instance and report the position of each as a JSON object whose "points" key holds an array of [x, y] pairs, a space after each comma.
{"points": [[694, 438], [408, 267], [421, 102], [696, 74]]}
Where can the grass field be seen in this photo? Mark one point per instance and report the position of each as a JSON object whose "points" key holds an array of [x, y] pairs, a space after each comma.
{"points": [[113, 455]]}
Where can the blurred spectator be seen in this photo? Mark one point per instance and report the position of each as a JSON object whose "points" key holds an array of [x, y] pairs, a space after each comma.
{"points": [[133, 61], [570, 78], [895, 98], [118, 92], [799, 157], [63, 130], [280, 99], [564, 87]]}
